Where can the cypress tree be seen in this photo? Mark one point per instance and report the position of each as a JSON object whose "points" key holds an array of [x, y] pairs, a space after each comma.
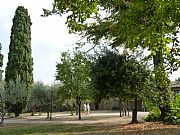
{"points": [[20, 62]]}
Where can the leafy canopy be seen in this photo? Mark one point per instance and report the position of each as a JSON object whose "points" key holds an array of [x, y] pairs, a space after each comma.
{"points": [[151, 24], [73, 73]]}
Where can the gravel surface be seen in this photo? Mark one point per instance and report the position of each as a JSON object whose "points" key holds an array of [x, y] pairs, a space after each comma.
{"points": [[95, 117]]}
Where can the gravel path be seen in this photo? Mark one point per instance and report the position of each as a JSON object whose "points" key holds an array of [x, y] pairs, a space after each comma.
{"points": [[95, 117]]}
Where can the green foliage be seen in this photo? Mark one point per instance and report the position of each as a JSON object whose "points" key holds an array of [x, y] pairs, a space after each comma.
{"points": [[73, 73], [137, 76], [58, 97], [2, 103], [20, 62], [109, 76], [40, 97], [174, 116], [154, 115], [1, 62], [159, 91], [149, 24], [16, 95]]}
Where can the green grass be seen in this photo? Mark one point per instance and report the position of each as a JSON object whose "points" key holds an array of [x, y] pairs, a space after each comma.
{"points": [[59, 129], [42, 129]]}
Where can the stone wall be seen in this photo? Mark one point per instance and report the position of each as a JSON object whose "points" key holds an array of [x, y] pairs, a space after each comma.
{"points": [[112, 104]]}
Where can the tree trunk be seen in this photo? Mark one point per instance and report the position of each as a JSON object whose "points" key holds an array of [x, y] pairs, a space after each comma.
{"points": [[71, 107], [78, 100], [134, 112], [76, 110], [16, 113], [2, 117], [127, 106], [40, 110], [164, 110], [47, 111], [71, 112], [125, 111], [79, 111], [33, 111], [97, 106], [17, 109], [120, 107]]}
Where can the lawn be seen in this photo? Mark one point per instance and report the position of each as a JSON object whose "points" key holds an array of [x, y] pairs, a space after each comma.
{"points": [[120, 129]]}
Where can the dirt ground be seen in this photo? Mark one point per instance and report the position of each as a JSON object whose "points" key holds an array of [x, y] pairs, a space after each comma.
{"points": [[95, 117]]}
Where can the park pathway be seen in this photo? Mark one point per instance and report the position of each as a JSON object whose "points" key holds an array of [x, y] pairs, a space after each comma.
{"points": [[95, 117]]}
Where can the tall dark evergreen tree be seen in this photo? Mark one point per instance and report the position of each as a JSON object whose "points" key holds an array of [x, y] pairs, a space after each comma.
{"points": [[20, 62]]}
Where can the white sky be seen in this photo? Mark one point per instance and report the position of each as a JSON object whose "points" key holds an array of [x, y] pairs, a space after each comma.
{"points": [[49, 36]]}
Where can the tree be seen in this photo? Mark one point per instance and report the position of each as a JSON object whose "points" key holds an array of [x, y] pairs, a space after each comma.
{"points": [[2, 103], [58, 98], [120, 76], [108, 76], [16, 95], [152, 25], [137, 76], [74, 75], [20, 62], [40, 98], [160, 93], [65, 75], [1, 62], [81, 79]]}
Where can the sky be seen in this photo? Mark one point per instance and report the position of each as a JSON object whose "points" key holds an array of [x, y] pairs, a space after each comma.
{"points": [[49, 37]]}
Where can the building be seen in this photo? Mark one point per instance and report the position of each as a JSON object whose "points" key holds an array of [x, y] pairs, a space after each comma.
{"points": [[176, 87]]}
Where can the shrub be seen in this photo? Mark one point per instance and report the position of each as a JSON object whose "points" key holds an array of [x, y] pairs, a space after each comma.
{"points": [[174, 116], [154, 115]]}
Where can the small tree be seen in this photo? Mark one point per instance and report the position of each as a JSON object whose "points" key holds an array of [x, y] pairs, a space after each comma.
{"points": [[2, 103], [81, 79], [108, 76], [40, 97], [58, 98], [16, 96], [65, 75], [137, 76], [74, 75]]}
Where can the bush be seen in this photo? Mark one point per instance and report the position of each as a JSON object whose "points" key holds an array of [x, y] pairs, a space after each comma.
{"points": [[174, 116], [154, 115]]}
